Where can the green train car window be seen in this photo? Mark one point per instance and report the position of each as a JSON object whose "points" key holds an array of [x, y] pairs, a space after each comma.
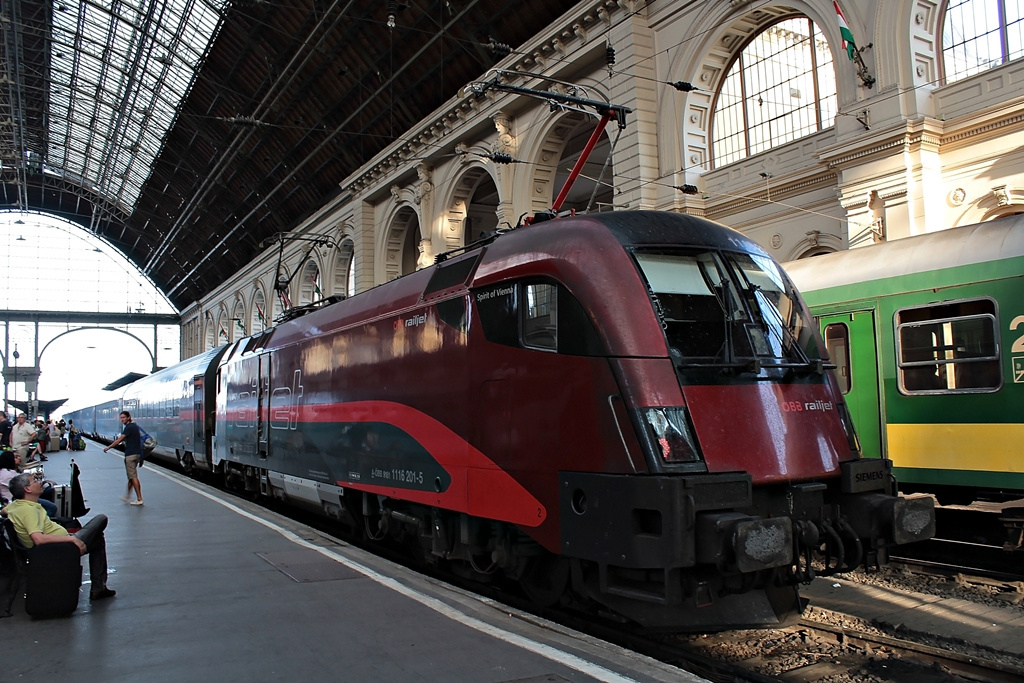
{"points": [[952, 347], [837, 341]]}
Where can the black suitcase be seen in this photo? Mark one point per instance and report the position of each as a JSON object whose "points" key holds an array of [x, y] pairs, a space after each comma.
{"points": [[54, 577]]}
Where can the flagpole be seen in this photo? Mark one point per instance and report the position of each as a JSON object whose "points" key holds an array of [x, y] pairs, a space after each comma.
{"points": [[862, 70], [850, 45]]}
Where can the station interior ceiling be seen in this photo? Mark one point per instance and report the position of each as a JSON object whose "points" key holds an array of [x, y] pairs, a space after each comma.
{"points": [[186, 133]]}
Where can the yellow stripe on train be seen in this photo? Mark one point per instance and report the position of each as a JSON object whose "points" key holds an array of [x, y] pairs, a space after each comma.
{"points": [[980, 447]]}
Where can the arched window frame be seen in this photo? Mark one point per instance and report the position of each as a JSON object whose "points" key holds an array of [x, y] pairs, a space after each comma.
{"points": [[824, 96], [997, 26]]}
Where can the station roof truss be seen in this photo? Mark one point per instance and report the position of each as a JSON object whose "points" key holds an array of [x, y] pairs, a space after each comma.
{"points": [[187, 132]]}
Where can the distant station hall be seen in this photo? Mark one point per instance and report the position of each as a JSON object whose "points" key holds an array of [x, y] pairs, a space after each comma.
{"points": [[475, 340]]}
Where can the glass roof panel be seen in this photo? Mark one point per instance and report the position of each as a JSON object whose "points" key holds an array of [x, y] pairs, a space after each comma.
{"points": [[119, 71]]}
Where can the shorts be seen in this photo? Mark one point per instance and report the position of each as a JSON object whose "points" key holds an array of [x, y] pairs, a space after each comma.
{"points": [[131, 466]]}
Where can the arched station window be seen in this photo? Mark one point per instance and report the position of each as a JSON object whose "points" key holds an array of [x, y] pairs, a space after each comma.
{"points": [[343, 272], [980, 34], [238, 320], [258, 321], [309, 286], [780, 87]]}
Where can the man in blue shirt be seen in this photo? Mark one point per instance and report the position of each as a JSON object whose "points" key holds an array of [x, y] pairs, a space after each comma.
{"points": [[131, 435]]}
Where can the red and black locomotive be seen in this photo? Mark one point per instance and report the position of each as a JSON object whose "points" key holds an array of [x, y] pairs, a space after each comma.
{"points": [[629, 409]]}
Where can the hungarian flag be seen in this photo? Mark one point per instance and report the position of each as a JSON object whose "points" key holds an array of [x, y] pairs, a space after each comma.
{"points": [[845, 32], [316, 287]]}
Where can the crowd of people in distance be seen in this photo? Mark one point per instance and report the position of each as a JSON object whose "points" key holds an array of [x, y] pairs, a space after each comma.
{"points": [[32, 440]]}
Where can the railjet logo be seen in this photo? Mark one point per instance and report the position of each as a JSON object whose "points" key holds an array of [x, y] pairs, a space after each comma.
{"points": [[801, 406], [412, 321]]}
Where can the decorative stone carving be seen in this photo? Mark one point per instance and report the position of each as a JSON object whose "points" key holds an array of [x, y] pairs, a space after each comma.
{"points": [[1002, 195], [957, 196], [426, 254], [506, 142], [425, 188]]}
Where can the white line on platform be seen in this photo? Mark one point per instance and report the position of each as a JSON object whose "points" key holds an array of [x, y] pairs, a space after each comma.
{"points": [[560, 656]]}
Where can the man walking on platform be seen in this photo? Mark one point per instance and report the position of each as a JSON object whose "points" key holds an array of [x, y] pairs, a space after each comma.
{"points": [[131, 435]]}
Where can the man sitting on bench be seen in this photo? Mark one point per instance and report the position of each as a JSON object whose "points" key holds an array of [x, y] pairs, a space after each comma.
{"points": [[34, 526]]}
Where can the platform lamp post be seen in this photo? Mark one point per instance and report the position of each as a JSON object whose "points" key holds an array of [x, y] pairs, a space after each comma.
{"points": [[16, 357]]}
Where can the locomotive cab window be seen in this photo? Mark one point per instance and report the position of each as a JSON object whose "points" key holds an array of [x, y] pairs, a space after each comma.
{"points": [[722, 309], [536, 315], [949, 348]]}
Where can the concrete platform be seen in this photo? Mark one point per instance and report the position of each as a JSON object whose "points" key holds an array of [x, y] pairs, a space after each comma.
{"points": [[1001, 628], [210, 587]]}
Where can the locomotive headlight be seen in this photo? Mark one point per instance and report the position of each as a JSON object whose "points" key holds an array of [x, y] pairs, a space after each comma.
{"points": [[672, 435]]}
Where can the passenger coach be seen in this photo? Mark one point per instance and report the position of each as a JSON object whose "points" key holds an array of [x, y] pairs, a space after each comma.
{"points": [[928, 336]]}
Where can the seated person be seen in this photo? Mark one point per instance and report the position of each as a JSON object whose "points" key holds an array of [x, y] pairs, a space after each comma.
{"points": [[10, 467], [42, 440], [33, 526]]}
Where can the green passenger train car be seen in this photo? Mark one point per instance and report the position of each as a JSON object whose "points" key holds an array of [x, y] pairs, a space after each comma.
{"points": [[927, 335]]}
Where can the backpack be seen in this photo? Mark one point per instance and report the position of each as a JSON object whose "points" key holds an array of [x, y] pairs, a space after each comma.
{"points": [[148, 442]]}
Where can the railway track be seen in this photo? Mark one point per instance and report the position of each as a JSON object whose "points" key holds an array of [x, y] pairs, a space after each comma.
{"points": [[982, 539], [817, 651]]}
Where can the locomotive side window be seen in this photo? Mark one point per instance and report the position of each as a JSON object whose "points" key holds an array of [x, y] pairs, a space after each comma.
{"points": [[543, 316], [540, 317], [948, 348], [837, 341], [496, 306]]}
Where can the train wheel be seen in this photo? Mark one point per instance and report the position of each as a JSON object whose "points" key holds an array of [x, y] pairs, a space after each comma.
{"points": [[545, 579]]}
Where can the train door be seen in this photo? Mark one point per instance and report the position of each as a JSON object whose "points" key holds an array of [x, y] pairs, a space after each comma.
{"points": [[852, 346], [263, 408], [199, 449]]}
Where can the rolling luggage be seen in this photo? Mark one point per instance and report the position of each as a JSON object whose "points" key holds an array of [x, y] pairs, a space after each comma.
{"points": [[62, 497], [53, 580]]}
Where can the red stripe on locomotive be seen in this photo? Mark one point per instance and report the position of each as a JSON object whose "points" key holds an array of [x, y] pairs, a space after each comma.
{"points": [[479, 486]]}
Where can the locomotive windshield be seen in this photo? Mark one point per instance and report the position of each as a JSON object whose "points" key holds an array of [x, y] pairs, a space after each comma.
{"points": [[729, 310]]}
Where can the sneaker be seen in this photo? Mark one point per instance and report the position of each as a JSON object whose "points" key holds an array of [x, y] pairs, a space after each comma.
{"points": [[124, 499], [102, 594], [135, 502]]}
